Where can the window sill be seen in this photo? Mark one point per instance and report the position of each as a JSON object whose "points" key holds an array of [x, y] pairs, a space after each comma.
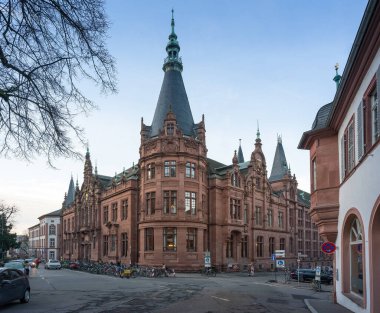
{"points": [[355, 299]]}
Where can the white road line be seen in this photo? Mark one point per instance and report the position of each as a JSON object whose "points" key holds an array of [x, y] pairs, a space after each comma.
{"points": [[220, 298]]}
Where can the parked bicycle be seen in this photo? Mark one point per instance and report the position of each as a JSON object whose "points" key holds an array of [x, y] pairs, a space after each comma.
{"points": [[316, 285], [208, 271]]}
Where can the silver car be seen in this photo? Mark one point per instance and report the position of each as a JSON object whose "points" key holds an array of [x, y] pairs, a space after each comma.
{"points": [[53, 265]]}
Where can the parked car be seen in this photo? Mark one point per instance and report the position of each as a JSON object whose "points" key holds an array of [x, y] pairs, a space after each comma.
{"points": [[14, 285], [74, 265], [309, 274], [16, 265], [31, 262], [53, 264]]}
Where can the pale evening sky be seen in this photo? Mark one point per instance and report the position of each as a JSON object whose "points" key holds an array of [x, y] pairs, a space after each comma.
{"points": [[244, 61]]}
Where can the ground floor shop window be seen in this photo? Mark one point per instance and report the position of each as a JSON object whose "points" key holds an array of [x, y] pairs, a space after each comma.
{"points": [[149, 239], [170, 239], [191, 239], [356, 259]]}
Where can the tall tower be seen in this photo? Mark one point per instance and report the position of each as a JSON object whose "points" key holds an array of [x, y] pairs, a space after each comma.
{"points": [[173, 185]]}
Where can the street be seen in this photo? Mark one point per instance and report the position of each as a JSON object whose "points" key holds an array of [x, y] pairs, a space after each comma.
{"points": [[73, 291]]}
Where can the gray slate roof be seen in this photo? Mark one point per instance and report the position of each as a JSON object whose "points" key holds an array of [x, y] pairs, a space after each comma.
{"points": [[321, 119], [303, 197], [54, 213], [173, 96], [70, 194], [280, 166]]}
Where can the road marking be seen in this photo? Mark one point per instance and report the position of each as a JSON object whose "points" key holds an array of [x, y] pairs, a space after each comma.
{"points": [[220, 298]]}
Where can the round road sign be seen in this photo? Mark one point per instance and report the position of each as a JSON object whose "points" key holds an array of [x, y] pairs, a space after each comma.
{"points": [[328, 247]]}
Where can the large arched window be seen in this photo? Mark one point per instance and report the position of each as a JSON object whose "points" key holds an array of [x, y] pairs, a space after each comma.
{"points": [[356, 259]]}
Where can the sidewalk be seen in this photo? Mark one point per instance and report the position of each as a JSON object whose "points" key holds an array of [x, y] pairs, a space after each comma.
{"points": [[324, 306]]}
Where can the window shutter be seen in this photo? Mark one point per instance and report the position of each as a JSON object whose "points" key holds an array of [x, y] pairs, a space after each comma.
{"points": [[378, 97], [360, 131], [342, 159]]}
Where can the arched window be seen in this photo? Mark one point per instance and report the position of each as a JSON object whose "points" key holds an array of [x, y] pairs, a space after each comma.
{"points": [[235, 180], [356, 259], [52, 230]]}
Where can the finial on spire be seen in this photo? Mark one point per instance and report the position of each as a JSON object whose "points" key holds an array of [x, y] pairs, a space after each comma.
{"points": [[258, 130], [279, 138], [239, 142], [337, 77], [173, 24]]}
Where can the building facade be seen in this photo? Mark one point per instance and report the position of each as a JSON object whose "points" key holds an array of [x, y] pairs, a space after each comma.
{"points": [[345, 162], [176, 204], [45, 237]]}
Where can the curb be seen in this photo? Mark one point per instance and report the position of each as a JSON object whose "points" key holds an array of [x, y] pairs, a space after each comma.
{"points": [[309, 306]]}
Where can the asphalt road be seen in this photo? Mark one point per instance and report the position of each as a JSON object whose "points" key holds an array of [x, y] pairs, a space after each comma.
{"points": [[64, 290]]}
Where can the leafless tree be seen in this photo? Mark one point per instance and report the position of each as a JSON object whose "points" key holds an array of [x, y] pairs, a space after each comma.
{"points": [[47, 47]]}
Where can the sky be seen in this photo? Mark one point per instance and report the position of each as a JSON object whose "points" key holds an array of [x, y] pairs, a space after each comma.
{"points": [[245, 62]]}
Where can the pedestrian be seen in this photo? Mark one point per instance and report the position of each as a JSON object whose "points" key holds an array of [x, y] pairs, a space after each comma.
{"points": [[27, 268]]}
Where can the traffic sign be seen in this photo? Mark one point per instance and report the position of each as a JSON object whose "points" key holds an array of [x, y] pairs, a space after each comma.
{"points": [[280, 263], [273, 257], [328, 247], [279, 253], [207, 261]]}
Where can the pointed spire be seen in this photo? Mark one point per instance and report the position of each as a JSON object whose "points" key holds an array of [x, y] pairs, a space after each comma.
{"points": [[240, 153], [280, 166], [70, 195], [337, 77]]}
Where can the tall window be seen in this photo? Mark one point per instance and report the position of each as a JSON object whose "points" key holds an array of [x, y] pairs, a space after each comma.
{"points": [[113, 242], [281, 219], [234, 208], [271, 245], [356, 258], [190, 202], [258, 183], [270, 217], [150, 202], [170, 202], [124, 209], [191, 239], [52, 243], [105, 245], [244, 246], [258, 216], [190, 170], [170, 168], [314, 171], [124, 244], [235, 180], [245, 214], [105, 214], [52, 230], [151, 171], [68, 225], [282, 243], [114, 212], [51, 255], [260, 246], [149, 239], [170, 239]]}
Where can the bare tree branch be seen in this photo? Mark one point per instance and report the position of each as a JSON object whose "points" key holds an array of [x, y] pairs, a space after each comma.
{"points": [[46, 48]]}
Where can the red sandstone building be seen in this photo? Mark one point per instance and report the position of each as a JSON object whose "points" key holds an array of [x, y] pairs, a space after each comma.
{"points": [[176, 203]]}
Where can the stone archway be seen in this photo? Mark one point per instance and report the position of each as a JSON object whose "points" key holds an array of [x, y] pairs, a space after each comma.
{"points": [[374, 256]]}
